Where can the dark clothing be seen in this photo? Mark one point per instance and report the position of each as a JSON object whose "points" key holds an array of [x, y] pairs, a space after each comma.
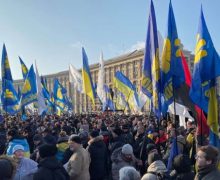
{"points": [[50, 139], [182, 176], [50, 169], [99, 156], [208, 173], [66, 156]]}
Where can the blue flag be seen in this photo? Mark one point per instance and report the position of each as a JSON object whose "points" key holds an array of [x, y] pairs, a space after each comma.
{"points": [[58, 95], [172, 73], [9, 98], [29, 90], [173, 153], [24, 68], [151, 66], [6, 71], [206, 69]]}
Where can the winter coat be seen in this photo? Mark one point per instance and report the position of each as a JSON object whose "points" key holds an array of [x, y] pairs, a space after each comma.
{"points": [[119, 162], [66, 155], [99, 155], [19, 141], [78, 165], [50, 169], [155, 167], [62, 145], [25, 169], [208, 173]]}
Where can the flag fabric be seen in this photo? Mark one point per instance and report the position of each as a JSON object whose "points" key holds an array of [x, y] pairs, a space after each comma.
{"points": [[121, 103], [9, 98], [75, 78], [88, 87], [58, 95], [173, 153], [108, 103], [6, 71], [124, 85], [102, 89], [24, 68], [182, 97], [29, 90], [42, 108], [151, 66], [206, 69], [172, 75]]}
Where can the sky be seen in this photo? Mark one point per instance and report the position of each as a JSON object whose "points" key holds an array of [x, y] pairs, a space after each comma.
{"points": [[52, 32]]}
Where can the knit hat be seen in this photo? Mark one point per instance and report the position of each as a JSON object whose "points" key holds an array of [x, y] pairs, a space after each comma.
{"points": [[150, 147], [75, 138], [94, 133], [37, 137], [127, 149], [17, 147], [47, 150]]}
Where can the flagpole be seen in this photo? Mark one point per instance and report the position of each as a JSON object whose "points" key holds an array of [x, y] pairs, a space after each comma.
{"points": [[201, 127], [175, 125]]}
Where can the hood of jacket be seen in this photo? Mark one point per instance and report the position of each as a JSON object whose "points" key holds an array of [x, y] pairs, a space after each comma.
{"points": [[157, 166]]}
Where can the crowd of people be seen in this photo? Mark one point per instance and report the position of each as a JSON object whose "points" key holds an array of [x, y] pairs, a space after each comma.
{"points": [[104, 146]]}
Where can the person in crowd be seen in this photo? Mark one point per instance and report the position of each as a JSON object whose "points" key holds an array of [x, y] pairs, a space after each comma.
{"points": [[156, 168], [15, 139], [78, 164], [7, 168], [182, 168], [122, 157], [38, 141], [62, 145], [129, 173], [49, 167], [99, 156], [207, 161], [48, 137], [25, 166]]}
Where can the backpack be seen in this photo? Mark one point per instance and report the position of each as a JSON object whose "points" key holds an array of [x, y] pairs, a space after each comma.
{"points": [[161, 175]]}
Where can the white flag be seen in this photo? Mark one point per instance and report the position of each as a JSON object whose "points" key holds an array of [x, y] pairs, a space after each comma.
{"points": [[40, 97], [75, 78], [101, 82]]}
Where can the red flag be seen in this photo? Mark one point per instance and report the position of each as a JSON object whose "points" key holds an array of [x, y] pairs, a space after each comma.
{"points": [[182, 94]]}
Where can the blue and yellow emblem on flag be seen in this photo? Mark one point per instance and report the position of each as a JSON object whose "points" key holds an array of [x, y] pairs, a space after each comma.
{"points": [[58, 95], [206, 69], [172, 73], [24, 68], [29, 90]]}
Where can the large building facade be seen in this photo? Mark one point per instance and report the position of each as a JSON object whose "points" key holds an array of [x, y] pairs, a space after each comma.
{"points": [[130, 64]]}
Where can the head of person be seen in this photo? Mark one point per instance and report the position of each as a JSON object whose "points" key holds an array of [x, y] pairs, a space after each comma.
{"points": [[47, 150], [37, 139], [151, 148], [182, 163], [207, 155], [74, 142], [94, 134], [11, 134], [129, 173], [127, 152], [18, 151], [152, 157], [7, 168]]}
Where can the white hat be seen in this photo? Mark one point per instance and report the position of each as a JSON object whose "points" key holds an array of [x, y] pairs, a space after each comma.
{"points": [[17, 147]]}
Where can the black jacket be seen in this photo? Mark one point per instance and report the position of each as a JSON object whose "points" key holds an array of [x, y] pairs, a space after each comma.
{"points": [[51, 169], [99, 156]]}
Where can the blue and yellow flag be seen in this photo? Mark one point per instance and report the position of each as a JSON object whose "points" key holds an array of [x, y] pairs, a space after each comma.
{"points": [[172, 73], [58, 95], [88, 87], [24, 68], [6, 71], [108, 103], [124, 85], [151, 67], [9, 98], [206, 69], [29, 90]]}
